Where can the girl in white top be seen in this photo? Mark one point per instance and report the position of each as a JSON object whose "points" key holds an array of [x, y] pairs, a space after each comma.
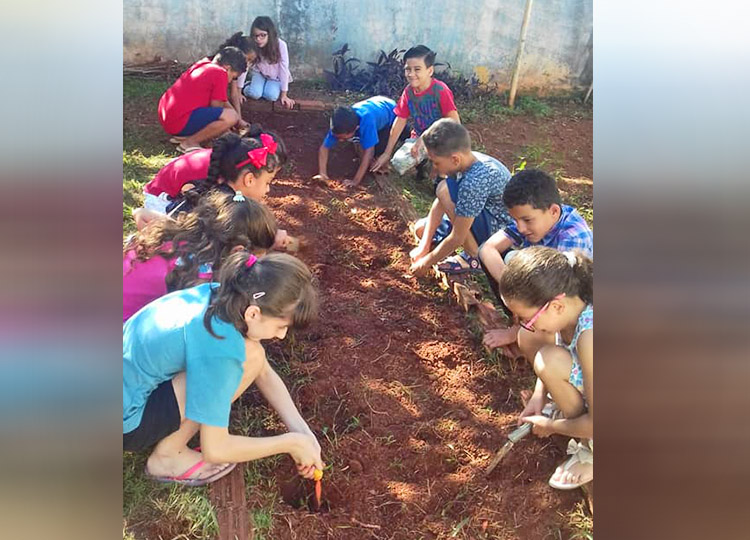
{"points": [[270, 73]]}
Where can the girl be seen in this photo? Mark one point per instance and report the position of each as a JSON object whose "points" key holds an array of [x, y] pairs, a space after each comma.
{"points": [[271, 75], [552, 291], [176, 254], [251, 50], [235, 164], [189, 355], [178, 174]]}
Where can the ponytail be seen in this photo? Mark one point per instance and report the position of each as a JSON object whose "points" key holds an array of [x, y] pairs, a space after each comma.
{"points": [[279, 284], [538, 274], [230, 150]]}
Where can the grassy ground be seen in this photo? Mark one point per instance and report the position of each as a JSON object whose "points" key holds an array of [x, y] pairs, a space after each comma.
{"points": [[187, 513]]}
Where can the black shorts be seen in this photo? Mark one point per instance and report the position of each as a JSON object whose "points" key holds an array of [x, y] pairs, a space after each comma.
{"points": [[161, 417]]}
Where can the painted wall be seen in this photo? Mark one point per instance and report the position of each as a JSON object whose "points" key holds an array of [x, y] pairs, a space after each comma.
{"points": [[475, 36]]}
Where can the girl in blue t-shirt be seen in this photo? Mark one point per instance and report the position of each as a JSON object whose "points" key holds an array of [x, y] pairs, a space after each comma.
{"points": [[191, 353], [552, 291]]}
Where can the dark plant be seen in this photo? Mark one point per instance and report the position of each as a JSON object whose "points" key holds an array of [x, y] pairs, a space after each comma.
{"points": [[385, 76]]}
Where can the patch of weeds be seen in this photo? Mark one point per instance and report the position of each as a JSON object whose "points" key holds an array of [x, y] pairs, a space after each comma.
{"points": [[533, 106], [353, 424], [396, 464], [339, 206], [387, 440], [137, 88], [262, 519], [147, 500], [539, 156], [581, 523], [419, 194]]}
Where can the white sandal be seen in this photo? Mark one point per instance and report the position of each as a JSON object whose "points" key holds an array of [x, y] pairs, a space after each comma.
{"points": [[580, 453]]}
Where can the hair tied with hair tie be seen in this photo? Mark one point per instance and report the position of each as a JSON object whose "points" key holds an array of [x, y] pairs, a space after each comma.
{"points": [[251, 260], [259, 156], [238, 197], [572, 259]]}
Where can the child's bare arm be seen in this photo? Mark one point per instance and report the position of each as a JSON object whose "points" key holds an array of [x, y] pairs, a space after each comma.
{"points": [[453, 115], [461, 228], [323, 162], [491, 253], [364, 165], [274, 390], [398, 126]]}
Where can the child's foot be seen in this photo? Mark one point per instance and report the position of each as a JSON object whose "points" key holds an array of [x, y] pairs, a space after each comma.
{"points": [[460, 264], [176, 139], [576, 471], [185, 467], [188, 146]]}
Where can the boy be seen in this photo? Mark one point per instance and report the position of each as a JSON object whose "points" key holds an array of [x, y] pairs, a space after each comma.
{"points": [[367, 124], [424, 100], [534, 202], [469, 206], [195, 106]]}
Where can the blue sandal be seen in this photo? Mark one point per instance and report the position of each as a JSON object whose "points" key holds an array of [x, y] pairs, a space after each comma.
{"points": [[460, 264]]}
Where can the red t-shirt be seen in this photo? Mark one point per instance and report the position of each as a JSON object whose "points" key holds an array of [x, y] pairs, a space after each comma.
{"points": [[178, 172], [425, 107], [204, 82]]}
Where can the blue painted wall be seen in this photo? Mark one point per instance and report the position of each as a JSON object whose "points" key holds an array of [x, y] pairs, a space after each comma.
{"points": [[477, 37]]}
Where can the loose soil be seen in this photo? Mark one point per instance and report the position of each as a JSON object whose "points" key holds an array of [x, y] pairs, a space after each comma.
{"points": [[411, 411], [405, 404]]}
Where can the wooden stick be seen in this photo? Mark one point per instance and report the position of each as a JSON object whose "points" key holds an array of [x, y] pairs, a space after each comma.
{"points": [[519, 53]]}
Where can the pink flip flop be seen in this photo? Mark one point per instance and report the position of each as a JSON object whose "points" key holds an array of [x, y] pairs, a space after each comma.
{"points": [[186, 480]]}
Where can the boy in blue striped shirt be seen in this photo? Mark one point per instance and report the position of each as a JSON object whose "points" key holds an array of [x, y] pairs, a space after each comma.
{"points": [[541, 219]]}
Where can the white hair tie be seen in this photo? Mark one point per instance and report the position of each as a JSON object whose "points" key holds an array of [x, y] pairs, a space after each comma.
{"points": [[571, 258]]}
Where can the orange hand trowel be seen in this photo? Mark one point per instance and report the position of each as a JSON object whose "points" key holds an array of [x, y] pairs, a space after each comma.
{"points": [[317, 476]]}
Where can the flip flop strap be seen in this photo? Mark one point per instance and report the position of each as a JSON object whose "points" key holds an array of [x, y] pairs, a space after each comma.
{"points": [[187, 474]]}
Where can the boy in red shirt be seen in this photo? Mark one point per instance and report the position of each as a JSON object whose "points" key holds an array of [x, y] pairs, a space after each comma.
{"points": [[195, 106], [424, 100]]}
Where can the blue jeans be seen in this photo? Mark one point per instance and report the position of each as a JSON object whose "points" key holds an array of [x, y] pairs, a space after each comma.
{"points": [[260, 87]]}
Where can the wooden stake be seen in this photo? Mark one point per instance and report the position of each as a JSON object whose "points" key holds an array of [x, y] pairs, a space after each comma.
{"points": [[519, 53]]}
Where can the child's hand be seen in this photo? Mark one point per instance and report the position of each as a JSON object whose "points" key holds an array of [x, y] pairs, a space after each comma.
{"points": [[306, 454], [319, 177], [415, 148], [420, 267], [418, 252], [381, 163], [287, 102], [542, 426], [350, 183], [533, 407], [281, 239]]}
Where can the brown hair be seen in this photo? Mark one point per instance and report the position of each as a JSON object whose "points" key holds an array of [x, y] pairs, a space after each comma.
{"points": [[270, 52], [536, 275], [285, 282], [205, 236]]}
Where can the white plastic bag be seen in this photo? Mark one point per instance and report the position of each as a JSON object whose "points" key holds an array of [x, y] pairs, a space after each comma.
{"points": [[403, 161]]}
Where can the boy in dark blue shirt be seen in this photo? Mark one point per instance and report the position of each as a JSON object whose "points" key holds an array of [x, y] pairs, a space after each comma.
{"points": [[367, 124]]}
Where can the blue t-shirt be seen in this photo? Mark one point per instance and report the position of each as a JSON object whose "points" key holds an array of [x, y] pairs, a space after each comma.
{"points": [[481, 187], [166, 337], [374, 114]]}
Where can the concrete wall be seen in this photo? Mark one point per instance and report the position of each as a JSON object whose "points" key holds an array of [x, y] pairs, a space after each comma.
{"points": [[475, 36]]}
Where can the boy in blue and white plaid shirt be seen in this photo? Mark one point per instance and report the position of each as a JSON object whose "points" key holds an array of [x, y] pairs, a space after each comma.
{"points": [[541, 219]]}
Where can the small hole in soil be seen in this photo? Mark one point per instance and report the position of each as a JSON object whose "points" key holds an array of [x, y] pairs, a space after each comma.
{"points": [[299, 493]]}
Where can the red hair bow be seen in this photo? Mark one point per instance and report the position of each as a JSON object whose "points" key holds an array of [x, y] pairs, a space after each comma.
{"points": [[259, 156]]}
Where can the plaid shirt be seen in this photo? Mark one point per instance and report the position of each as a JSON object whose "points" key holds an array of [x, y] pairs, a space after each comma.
{"points": [[569, 233]]}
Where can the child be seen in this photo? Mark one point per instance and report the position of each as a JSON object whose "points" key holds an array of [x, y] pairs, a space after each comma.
{"points": [[468, 208], [271, 75], [189, 355], [244, 165], [182, 172], [424, 100], [552, 292], [196, 106], [175, 254], [369, 122], [534, 202], [247, 46]]}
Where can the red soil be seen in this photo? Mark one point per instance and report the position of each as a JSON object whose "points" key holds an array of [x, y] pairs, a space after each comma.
{"points": [[413, 412]]}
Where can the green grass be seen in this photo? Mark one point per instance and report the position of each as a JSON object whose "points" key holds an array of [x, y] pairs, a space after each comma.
{"points": [[494, 106], [145, 500], [418, 193]]}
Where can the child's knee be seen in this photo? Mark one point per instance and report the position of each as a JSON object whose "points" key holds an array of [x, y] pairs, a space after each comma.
{"points": [[271, 92], [552, 360], [230, 117], [252, 91]]}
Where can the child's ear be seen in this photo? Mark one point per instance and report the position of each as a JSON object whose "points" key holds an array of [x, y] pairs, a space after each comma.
{"points": [[557, 306], [431, 71], [247, 178], [252, 313], [555, 210]]}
